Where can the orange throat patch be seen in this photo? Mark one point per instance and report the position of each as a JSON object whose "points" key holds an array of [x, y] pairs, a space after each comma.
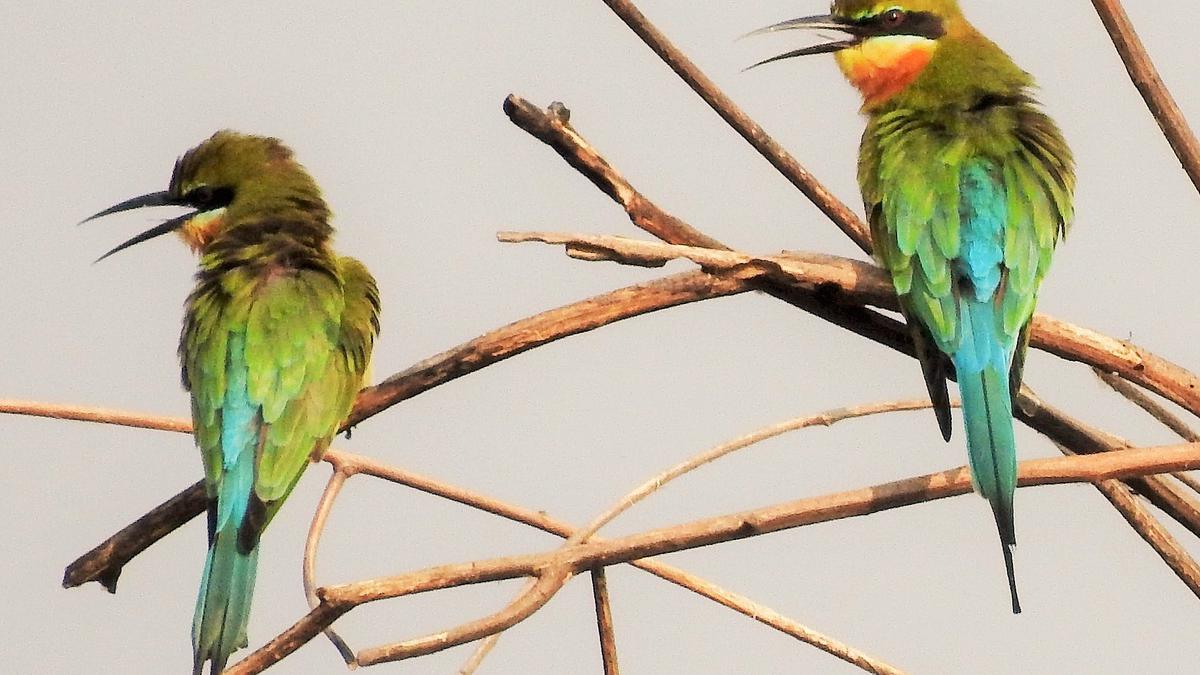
{"points": [[882, 67], [200, 228]]}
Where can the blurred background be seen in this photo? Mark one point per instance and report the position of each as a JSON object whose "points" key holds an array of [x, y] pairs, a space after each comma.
{"points": [[396, 110]]}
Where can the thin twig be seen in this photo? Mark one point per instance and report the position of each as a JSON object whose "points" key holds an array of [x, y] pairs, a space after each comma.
{"points": [[550, 126], [1191, 483], [1152, 407], [799, 513], [1058, 337], [551, 568], [604, 622], [858, 282], [814, 272], [827, 419], [770, 618], [1158, 412], [1158, 537], [773, 152], [105, 561], [1150, 529], [313, 542], [481, 652], [550, 579], [1148, 82], [77, 413], [362, 465], [505, 618], [1083, 438], [356, 464]]}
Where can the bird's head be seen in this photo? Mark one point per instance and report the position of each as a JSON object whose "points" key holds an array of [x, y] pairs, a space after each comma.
{"points": [[887, 43], [230, 178]]}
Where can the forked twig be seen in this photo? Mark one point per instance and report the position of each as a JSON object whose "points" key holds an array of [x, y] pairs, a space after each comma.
{"points": [[312, 543], [355, 464], [552, 568], [773, 152], [656, 483]]}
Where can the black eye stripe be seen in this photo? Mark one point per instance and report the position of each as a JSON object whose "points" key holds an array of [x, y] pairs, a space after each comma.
{"points": [[208, 198], [919, 24]]}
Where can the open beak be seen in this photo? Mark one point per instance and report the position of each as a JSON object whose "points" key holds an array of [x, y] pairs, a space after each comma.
{"points": [[153, 199], [823, 22]]}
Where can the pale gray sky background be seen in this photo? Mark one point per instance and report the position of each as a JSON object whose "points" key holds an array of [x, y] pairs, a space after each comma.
{"points": [[395, 108]]}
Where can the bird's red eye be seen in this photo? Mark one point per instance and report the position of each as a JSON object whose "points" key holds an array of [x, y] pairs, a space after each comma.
{"points": [[894, 17]]}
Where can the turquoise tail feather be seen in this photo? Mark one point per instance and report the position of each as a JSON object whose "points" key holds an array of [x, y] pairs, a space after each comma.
{"points": [[223, 607], [982, 363]]}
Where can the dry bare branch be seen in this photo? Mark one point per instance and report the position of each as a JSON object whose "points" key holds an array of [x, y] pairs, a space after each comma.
{"points": [[355, 464], [105, 561], [549, 580], [485, 647], [337, 480], [1148, 82], [1153, 532], [1063, 339], [550, 127], [1082, 438], [1150, 529], [814, 272], [539, 592], [604, 622], [831, 206], [1156, 410], [826, 419], [859, 282], [349, 464], [656, 483], [550, 568]]}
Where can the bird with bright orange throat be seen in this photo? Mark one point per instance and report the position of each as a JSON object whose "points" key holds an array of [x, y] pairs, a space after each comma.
{"points": [[968, 187]]}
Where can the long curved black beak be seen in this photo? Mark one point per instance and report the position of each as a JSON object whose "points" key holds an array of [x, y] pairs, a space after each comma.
{"points": [[822, 22], [163, 198]]}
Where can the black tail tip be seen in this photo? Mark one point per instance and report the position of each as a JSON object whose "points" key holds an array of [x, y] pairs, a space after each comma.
{"points": [[1012, 578]]}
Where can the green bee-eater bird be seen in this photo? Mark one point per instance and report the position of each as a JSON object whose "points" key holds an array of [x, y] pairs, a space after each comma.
{"points": [[277, 337], [968, 187]]}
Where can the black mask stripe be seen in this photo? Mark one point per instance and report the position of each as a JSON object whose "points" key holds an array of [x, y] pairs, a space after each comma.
{"points": [[918, 24]]}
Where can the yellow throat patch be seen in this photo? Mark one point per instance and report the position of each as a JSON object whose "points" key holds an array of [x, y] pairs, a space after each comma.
{"points": [[882, 67], [200, 228]]}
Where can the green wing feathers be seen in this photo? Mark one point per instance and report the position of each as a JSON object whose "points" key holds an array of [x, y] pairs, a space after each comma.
{"points": [[911, 169], [308, 336]]}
